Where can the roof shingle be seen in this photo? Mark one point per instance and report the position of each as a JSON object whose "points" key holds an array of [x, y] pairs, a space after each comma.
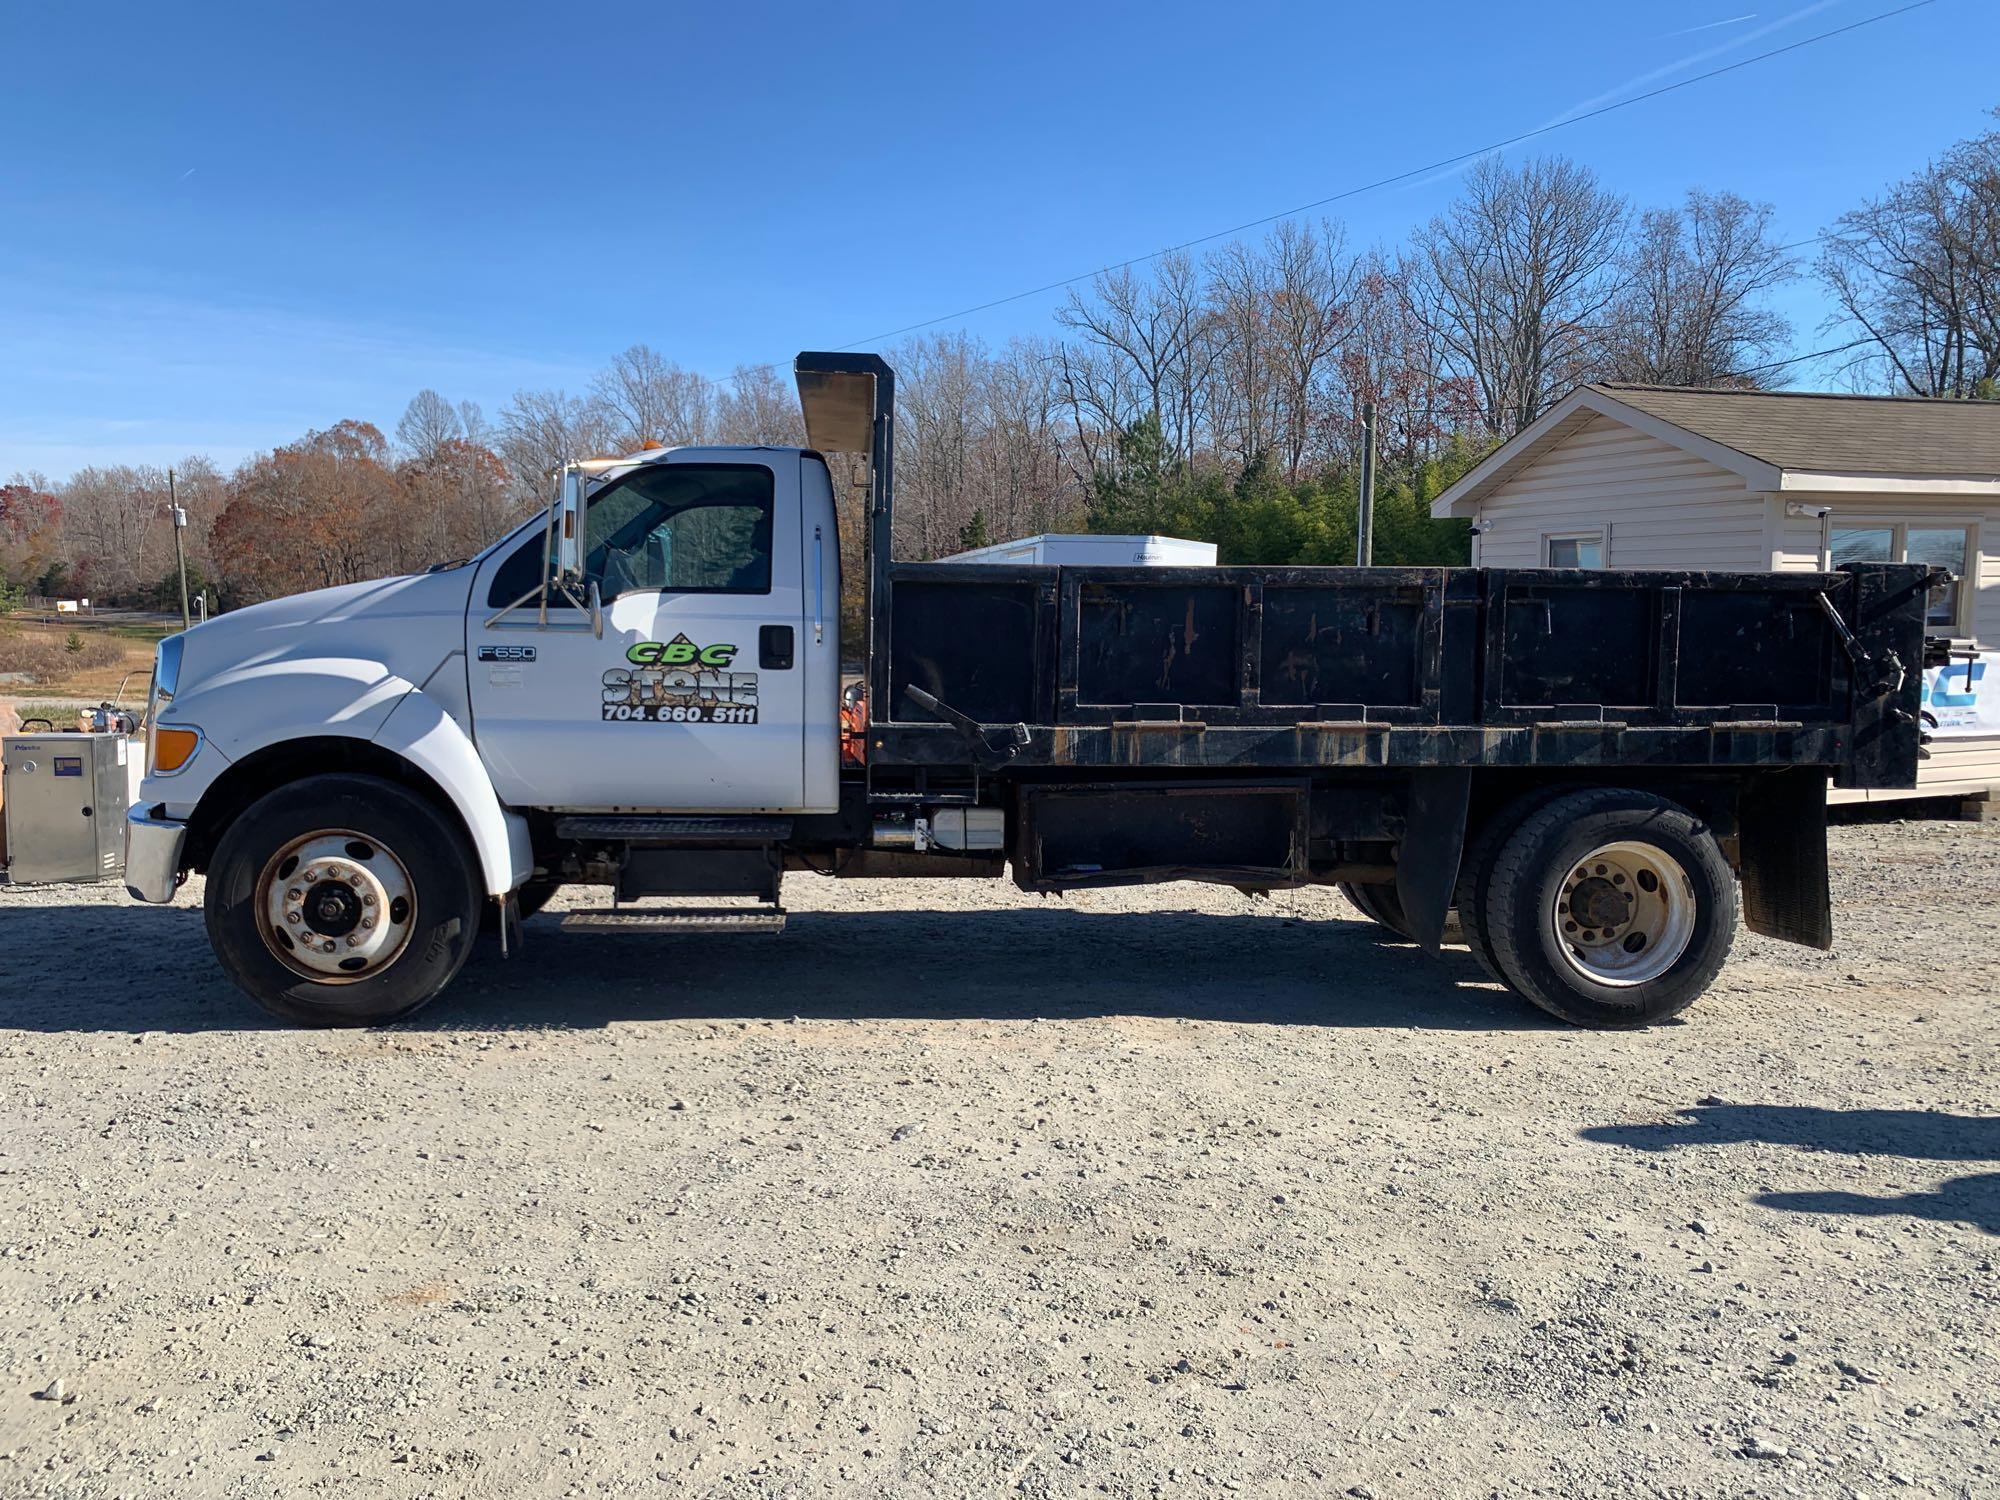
{"points": [[1830, 433]]}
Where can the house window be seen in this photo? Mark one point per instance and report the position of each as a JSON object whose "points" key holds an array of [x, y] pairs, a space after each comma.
{"points": [[1582, 549], [1947, 547]]}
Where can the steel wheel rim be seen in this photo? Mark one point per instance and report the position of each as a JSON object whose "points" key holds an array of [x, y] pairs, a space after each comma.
{"points": [[1623, 914], [335, 906]]}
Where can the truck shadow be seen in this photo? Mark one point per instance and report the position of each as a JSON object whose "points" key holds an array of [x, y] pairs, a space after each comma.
{"points": [[107, 966], [997, 965], [1906, 1134]]}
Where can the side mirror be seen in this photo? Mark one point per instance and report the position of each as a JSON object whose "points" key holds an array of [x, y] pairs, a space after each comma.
{"points": [[566, 522]]}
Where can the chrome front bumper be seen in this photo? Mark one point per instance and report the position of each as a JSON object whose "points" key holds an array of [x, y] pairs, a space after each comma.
{"points": [[153, 856]]}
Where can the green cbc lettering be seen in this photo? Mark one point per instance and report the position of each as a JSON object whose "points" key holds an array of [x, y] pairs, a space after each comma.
{"points": [[679, 654]]}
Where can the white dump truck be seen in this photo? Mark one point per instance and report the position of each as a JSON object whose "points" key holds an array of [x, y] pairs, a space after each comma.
{"points": [[642, 690]]}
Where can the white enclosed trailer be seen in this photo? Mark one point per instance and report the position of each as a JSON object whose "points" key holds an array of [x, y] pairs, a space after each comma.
{"points": [[1075, 550]]}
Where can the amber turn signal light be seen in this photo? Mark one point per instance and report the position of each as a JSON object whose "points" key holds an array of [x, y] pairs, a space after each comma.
{"points": [[173, 747]]}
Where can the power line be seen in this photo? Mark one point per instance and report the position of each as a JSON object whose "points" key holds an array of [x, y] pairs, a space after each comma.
{"points": [[1387, 183], [1799, 359]]}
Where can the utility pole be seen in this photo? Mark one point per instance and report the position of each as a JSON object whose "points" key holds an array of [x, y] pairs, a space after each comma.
{"points": [[1364, 532], [180, 520]]}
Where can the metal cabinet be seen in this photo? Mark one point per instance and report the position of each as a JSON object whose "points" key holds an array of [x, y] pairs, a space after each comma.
{"points": [[65, 798]]}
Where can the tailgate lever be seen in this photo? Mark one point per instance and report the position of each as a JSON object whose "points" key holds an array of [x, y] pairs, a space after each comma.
{"points": [[1004, 741]]}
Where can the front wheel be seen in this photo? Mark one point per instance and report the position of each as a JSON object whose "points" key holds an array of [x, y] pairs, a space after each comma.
{"points": [[342, 900], [1611, 908]]}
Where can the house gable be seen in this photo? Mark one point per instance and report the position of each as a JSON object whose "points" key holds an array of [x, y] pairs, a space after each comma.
{"points": [[1657, 504]]}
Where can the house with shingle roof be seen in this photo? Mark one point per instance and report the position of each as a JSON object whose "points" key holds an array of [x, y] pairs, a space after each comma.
{"points": [[1630, 476]]}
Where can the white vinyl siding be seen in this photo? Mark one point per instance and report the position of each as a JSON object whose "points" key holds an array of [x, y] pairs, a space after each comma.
{"points": [[1658, 506]]}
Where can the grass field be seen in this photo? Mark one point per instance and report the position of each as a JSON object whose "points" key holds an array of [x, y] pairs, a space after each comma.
{"points": [[124, 654]]}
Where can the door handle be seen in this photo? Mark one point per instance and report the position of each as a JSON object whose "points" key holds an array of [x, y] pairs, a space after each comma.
{"points": [[774, 648], [819, 590]]}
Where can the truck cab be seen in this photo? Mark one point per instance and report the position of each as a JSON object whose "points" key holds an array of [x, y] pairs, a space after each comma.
{"points": [[692, 665]]}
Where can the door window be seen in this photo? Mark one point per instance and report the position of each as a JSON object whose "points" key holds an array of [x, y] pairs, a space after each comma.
{"points": [[682, 529]]}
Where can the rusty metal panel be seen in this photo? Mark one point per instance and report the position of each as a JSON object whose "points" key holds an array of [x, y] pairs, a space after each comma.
{"points": [[1350, 640], [1157, 642], [976, 639], [1739, 647]]}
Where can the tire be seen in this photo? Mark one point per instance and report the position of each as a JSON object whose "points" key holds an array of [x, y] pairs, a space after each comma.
{"points": [[1611, 909], [398, 898], [1475, 872], [1378, 903]]}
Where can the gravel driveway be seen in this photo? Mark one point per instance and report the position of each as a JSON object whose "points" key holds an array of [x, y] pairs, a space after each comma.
{"points": [[955, 1191]]}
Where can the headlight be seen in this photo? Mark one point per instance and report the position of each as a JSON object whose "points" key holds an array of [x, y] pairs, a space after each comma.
{"points": [[171, 751]]}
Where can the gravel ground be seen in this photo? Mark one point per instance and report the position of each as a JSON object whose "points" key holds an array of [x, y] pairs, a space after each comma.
{"points": [[954, 1191]]}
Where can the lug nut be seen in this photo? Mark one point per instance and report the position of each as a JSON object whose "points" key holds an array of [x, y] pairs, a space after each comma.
{"points": [[368, 899], [291, 916], [367, 922]]}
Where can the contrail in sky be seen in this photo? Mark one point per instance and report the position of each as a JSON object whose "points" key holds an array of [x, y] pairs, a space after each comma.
{"points": [[1709, 26], [1665, 70]]}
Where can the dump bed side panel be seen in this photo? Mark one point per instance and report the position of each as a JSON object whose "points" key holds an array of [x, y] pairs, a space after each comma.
{"points": [[1289, 667]]}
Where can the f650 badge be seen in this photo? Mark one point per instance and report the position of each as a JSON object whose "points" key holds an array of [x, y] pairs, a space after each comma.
{"points": [[506, 653]]}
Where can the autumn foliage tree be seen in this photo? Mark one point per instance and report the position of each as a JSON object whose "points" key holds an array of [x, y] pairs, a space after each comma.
{"points": [[321, 511], [30, 532]]}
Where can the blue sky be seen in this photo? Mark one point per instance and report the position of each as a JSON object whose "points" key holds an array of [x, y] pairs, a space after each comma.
{"points": [[227, 224]]}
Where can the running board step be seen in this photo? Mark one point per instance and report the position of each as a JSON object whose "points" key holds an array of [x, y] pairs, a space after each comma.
{"points": [[684, 920], [640, 826]]}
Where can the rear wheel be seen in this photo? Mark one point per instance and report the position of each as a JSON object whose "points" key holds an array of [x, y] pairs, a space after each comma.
{"points": [[1610, 908], [342, 901], [1475, 872], [1378, 903]]}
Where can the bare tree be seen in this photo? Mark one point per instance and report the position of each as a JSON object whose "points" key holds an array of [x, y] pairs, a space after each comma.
{"points": [[540, 431], [1691, 312], [652, 402], [757, 406], [109, 515], [937, 425], [1518, 276], [1156, 335], [429, 422], [1916, 275], [1026, 485], [1312, 316], [1245, 407]]}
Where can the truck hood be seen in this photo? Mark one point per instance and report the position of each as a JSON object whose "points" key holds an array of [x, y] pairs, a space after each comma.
{"points": [[408, 624]]}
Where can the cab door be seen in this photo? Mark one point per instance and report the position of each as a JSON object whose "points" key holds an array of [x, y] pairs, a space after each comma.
{"points": [[692, 698]]}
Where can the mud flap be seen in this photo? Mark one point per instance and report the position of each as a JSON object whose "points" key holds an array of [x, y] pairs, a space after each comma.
{"points": [[1433, 844], [1781, 818]]}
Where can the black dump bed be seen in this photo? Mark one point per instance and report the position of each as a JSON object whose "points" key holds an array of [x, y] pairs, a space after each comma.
{"points": [[1270, 667]]}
